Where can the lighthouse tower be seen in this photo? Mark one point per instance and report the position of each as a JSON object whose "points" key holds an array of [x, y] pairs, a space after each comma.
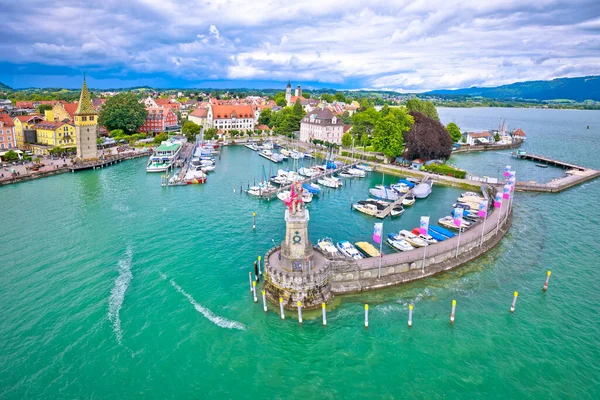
{"points": [[86, 127]]}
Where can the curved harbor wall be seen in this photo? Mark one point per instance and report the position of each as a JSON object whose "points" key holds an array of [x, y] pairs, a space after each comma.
{"points": [[398, 268]]}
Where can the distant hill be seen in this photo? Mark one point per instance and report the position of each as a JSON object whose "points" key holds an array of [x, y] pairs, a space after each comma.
{"points": [[577, 89], [5, 88]]}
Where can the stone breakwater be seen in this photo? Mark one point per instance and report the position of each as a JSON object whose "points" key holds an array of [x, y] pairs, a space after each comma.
{"points": [[341, 276]]}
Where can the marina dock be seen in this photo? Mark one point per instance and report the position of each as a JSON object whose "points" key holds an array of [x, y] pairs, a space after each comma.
{"points": [[107, 161], [386, 211], [547, 160]]}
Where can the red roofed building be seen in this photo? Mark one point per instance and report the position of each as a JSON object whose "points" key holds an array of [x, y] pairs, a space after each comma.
{"points": [[473, 138], [175, 106], [7, 132], [159, 119], [227, 117], [64, 111], [519, 134], [199, 116], [26, 105]]}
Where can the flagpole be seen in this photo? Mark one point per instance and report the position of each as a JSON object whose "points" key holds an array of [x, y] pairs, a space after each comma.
{"points": [[425, 247], [380, 248], [458, 244], [483, 228], [499, 212]]}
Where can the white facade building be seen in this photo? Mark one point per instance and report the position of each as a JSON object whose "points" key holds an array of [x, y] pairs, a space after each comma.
{"points": [[321, 125], [227, 118]]}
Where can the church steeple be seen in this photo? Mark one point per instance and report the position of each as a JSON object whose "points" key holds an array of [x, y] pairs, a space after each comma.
{"points": [[85, 106]]}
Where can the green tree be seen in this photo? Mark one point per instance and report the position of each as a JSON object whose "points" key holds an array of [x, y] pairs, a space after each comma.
{"points": [[280, 99], [389, 132], [234, 132], [123, 111], [10, 156], [497, 137], [363, 124], [454, 132], [339, 96], [347, 139], [427, 139], [190, 129], [425, 107], [306, 95], [265, 117], [161, 137], [43, 107], [210, 133], [116, 133], [346, 118], [327, 97]]}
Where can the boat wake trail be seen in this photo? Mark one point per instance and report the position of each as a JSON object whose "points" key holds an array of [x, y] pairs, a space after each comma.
{"points": [[212, 317], [117, 294]]}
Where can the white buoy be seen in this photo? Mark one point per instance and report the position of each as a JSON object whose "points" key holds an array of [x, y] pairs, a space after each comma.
{"points": [[254, 291], [410, 310], [264, 296], [281, 308], [299, 312], [453, 311], [547, 280], [259, 270], [514, 303], [324, 308], [250, 276], [366, 315]]}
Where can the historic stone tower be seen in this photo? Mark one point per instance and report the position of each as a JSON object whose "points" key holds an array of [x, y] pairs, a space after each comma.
{"points": [[86, 127], [294, 271]]}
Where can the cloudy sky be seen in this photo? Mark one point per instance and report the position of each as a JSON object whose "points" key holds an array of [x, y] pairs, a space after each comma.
{"points": [[400, 45]]}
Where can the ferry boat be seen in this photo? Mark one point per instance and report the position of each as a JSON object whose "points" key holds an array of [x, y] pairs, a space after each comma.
{"points": [[326, 245], [348, 249], [413, 239], [398, 243], [368, 249], [164, 156]]}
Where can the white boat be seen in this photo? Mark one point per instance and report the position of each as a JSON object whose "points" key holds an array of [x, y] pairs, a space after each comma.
{"points": [[307, 196], [296, 155], [400, 187], [384, 193], [365, 167], [356, 172], [398, 243], [427, 238], [285, 195], [348, 249], [326, 245], [330, 181], [397, 210], [470, 194], [369, 209], [207, 168], [269, 155], [422, 190], [285, 152], [308, 172], [413, 239], [255, 191], [346, 175], [408, 200], [164, 156], [448, 222], [251, 146], [281, 178]]}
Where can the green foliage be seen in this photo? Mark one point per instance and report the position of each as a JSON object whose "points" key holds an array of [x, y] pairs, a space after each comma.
{"points": [[327, 97], [123, 111], [339, 96], [425, 107], [287, 120], [389, 132], [190, 129], [265, 117], [427, 139], [454, 132], [346, 118], [363, 125], [10, 156], [43, 107], [347, 139], [443, 169], [306, 95], [116, 133], [161, 137], [210, 133], [497, 137], [99, 141], [280, 99], [234, 132]]}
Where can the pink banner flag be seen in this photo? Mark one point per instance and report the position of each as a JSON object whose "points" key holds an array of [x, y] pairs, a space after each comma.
{"points": [[498, 200], [377, 231], [424, 225], [482, 211], [458, 215], [506, 192], [507, 171]]}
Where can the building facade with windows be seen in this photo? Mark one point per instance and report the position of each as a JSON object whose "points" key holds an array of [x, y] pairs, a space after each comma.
{"points": [[23, 123], [231, 117], [159, 119], [52, 134], [7, 132], [321, 125]]}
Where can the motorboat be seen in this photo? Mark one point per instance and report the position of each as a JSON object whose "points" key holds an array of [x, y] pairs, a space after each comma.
{"points": [[400, 187], [281, 178], [308, 172], [346, 175], [269, 155], [384, 193], [296, 155], [326, 246], [438, 230], [448, 222], [251, 146], [369, 209], [397, 210], [408, 200], [423, 189], [380, 204], [398, 243], [413, 239], [255, 191], [285, 152], [470, 194], [416, 181], [207, 162], [407, 183], [330, 181], [193, 177], [427, 238], [207, 168], [164, 156], [368, 249], [312, 188], [307, 197], [356, 172], [365, 167], [348, 249]]}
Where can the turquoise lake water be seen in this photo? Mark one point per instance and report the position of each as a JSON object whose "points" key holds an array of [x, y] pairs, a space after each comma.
{"points": [[114, 287]]}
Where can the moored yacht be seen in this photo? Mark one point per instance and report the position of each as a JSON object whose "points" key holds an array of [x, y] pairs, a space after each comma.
{"points": [[413, 239], [398, 243], [326, 245], [348, 249]]}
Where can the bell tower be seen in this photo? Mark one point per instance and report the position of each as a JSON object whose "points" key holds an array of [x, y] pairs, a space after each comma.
{"points": [[86, 127], [288, 93]]}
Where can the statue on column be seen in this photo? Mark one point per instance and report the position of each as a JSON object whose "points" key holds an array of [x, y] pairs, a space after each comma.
{"points": [[295, 202]]}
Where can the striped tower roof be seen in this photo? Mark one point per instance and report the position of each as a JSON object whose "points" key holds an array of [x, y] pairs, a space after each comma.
{"points": [[85, 106]]}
